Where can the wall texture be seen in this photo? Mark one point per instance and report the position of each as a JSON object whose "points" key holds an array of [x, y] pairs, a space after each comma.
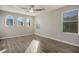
{"points": [[51, 26], [11, 31]]}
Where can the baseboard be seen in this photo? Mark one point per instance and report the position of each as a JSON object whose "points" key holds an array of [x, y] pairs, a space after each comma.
{"points": [[42, 35], [16, 36]]}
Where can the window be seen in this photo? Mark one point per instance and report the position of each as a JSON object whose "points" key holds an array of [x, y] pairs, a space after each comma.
{"points": [[70, 21], [27, 22], [19, 21], [9, 20]]}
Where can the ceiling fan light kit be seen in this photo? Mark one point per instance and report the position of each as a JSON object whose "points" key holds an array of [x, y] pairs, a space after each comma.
{"points": [[31, 11]]}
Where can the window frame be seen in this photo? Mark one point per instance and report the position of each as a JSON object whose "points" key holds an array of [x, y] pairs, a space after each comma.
{"points": [[62, 21], [6, 21], [22, 21], [26, 21]]}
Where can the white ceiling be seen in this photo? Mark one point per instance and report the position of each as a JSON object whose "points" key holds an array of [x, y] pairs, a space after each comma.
{"points": [[18, 8]]}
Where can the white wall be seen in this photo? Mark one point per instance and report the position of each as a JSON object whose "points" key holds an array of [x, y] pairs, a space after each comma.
{"points": [[51, 26], [12, 31]]}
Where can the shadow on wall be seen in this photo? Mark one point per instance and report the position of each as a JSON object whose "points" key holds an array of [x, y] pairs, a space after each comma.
{"points": [[1, 36]]}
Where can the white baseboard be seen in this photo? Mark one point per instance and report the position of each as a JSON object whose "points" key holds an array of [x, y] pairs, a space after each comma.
{"points": [[16, 36], [42, 35]]}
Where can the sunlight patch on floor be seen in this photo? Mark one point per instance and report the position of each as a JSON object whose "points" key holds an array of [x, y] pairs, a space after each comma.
{"points": [[2, 50], [33, 47]]}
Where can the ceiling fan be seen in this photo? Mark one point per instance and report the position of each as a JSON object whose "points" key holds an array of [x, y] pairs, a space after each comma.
{"points": [[33, 9]]}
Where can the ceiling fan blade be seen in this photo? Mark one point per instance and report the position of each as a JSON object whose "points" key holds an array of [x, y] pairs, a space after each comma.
{"points": [[41, 9], [32, 6], [25, 8]]}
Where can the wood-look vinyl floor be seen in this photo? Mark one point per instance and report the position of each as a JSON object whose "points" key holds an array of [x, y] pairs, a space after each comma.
{"points": [[20, 44]]}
